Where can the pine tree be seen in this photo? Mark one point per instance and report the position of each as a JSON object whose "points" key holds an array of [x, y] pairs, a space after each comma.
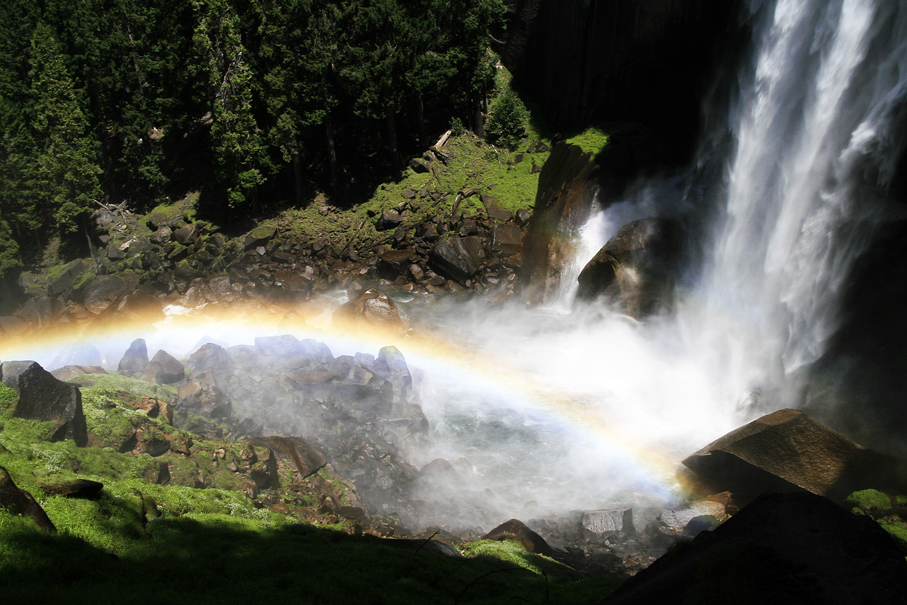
{"points": [[58, 167]]}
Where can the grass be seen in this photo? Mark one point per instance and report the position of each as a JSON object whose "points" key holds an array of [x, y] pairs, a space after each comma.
{"points": [[215, 545]]}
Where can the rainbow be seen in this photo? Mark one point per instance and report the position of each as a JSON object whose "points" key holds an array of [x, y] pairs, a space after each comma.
{"points": [[181, 331]]}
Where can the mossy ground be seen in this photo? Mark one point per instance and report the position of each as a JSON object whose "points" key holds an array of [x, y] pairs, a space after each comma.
{"points": [[215, 545]]}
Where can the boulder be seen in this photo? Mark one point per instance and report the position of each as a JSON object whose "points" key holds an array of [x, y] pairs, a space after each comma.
{"points": [[43, 397], [506, 239], [63, 282], [135, 359], [458, 258], [374, 307], [70, 373], [186, 234], [782, 548], [609, 521], [788, 451], [164, 368], [214, 358], [20, 502], [563, 204], [637, 267], [307, 459], [389, 219], [103, 292], [394, 263], [78, 488], [517, 531], [259, 236]]}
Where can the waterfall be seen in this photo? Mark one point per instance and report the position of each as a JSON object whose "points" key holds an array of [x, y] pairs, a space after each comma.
{"points": [[815, 124]]}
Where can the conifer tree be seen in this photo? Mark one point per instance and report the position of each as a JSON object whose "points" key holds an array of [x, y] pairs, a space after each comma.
{"points": [[58, 167]]}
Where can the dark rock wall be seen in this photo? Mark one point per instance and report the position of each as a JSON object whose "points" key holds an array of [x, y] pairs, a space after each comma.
{"points": [[650, 61]]}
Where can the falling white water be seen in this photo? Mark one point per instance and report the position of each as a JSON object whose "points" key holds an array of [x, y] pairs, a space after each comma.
{"points": [[815, 128]]}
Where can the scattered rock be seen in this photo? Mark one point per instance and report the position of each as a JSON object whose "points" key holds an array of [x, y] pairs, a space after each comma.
{"points": [[20, 502]]}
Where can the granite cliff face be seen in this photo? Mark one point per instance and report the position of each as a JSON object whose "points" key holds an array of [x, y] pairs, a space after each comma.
{"points": [[582, 60]]}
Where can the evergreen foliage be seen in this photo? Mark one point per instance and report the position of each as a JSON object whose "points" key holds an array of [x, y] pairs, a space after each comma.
{"points": [[507, 122], [253, 100]]}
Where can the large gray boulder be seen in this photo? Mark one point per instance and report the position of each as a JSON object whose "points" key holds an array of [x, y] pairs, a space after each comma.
{"points": [[788, 451], [164, 368], [135, 359], [43, 397]]}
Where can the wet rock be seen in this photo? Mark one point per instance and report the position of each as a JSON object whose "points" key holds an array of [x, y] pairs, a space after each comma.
{"points": [[782, 548], [19, 502], [43, 397], [135, 359], [562, 205], [517, 531], [458, 258], [373, 306], [788, 451], [164, 368], [637, 267]]}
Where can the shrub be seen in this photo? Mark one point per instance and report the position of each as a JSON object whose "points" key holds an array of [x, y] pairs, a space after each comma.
{"points": [[506, 125]]}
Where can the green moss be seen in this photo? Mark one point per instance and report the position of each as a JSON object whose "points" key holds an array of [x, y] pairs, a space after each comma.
{"points": [[869, 499], [118, 382], [591, 140], [8, 398]]}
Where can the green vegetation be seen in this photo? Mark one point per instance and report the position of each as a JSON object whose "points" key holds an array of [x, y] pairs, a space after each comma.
{"points": [[869, 499], [215, 544], [258, 105], [508, 121]]}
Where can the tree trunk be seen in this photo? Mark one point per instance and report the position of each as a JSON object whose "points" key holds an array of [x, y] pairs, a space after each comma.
{"points": [[391, 124], [422, 136], [297, 177], [478, 118], [332, 153]]}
